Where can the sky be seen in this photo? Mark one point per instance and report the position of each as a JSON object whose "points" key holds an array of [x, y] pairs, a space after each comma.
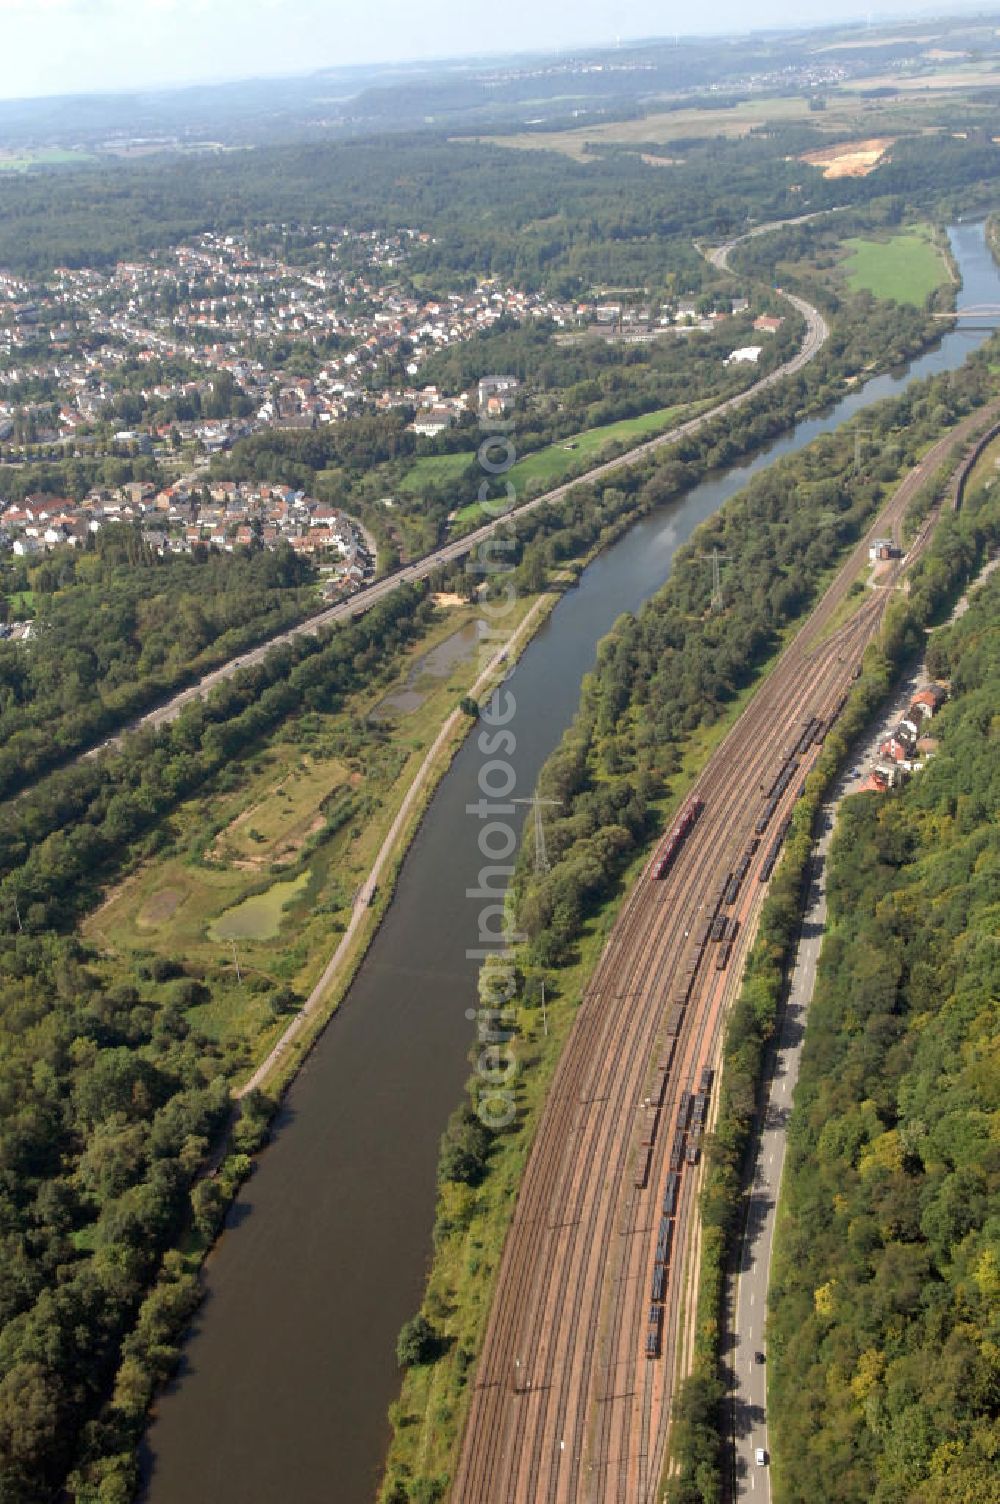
{"points": [[85, 46]]}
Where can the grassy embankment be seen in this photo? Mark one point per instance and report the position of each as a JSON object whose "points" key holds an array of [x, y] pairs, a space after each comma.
{"points": [[548, 466], [700, 1415], [310, 808], [472, 1221]]}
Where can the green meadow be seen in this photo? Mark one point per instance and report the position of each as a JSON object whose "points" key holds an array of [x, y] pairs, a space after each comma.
{"points": [[907, 266]]}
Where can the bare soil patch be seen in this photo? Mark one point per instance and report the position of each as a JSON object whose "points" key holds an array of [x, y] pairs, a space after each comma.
{"points": [[160, 907], [850, 159]]}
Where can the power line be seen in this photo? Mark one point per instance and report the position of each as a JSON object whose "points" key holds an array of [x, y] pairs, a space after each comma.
{"points": [[541, 854], [715, 556]]}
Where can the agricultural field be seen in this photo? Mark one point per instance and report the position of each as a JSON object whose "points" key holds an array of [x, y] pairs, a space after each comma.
{"points": [[42, 156], [844, 113], [434, 469], [907, 267]]}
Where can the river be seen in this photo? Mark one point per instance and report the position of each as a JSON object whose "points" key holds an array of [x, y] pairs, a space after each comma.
{"points": [[287, 1375]]}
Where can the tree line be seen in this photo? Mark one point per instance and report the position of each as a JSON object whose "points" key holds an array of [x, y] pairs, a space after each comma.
{"points": [[118, 627], [660, 676], [702, 1426], [883, 1309]]}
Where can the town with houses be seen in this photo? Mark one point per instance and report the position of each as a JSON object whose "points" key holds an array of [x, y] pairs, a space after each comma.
{"points": [[299, 346], [177, 356]]}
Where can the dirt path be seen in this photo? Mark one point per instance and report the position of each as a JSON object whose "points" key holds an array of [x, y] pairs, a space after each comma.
{"points": [[424, 778]]}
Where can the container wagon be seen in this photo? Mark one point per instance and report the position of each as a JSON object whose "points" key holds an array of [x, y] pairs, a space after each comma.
{"points": [[641, 1175], [674, 1019], [726, 950], [676, 836], [670, 1194]]}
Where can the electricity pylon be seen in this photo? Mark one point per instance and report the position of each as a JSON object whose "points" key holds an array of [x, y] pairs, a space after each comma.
{"points": [[859, 429], [541, 855], [715, 556]]}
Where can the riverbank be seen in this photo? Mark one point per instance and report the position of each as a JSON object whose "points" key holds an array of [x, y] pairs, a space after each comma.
{"points": [[473, 1221], [330, 1235], [728, 1197], [375, 893]]}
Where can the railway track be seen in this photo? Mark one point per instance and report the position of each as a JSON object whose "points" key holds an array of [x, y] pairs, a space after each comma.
{"points": [[566, 1405]]}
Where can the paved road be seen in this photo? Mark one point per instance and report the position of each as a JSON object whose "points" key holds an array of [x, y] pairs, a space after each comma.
{"points": [[816, 334], [747, 1302], [750, 1386]]}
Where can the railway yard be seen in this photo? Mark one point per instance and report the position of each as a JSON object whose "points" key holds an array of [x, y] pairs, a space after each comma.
{"points": [[592, 1321]]}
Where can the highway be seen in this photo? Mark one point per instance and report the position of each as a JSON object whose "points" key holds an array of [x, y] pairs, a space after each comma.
{"points": [[815, 337], [567, 1405]]}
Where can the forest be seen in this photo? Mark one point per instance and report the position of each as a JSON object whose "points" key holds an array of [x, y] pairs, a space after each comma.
{"points": [[535, 217], [883, 1322], [110, 1098], [662, 677], [117, 627]]}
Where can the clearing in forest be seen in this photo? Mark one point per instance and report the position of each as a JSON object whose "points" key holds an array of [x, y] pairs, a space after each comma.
{"points": [[907, 266]]}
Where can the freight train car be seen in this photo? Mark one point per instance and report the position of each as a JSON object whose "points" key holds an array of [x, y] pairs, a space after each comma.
{"points": [[726, 949], [641, 1175], [670, 1194], [676, 836], [773, 854]]}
